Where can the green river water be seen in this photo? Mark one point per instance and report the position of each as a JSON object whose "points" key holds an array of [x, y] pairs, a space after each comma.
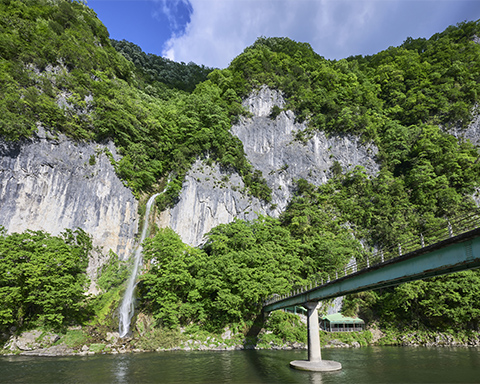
{"points": [[361, 365]]}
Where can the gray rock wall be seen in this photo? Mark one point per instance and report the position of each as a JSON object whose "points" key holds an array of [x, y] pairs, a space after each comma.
{"points": [[206, 201], [471, 133], [51, 184], [209, 197], [271, 147]]}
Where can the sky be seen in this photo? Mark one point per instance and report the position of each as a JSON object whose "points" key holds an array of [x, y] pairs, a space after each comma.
{"points": [[214, 32]]}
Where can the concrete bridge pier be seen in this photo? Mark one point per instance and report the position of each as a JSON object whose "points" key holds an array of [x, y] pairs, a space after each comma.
{"points": [[314, 362]]}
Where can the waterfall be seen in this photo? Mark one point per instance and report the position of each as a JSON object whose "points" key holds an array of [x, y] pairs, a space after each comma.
{"points": [[127, 307]]}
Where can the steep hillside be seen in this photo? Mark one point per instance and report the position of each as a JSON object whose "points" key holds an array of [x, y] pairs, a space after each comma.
{"points": [[282, 166], [60, 71], [212, 196], [61, 76], [362, 143], [397, 105]]}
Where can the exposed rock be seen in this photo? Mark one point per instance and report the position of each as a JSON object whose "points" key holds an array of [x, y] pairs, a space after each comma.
{"points": [[377, 334], [471, 133], [298, 345], [31, 341], [476, 196], [336, 344], [55, 350], [436, 339], [53, 184], [336, 306], [227, 334], [211, 196], [271, 147], [112, 337]]}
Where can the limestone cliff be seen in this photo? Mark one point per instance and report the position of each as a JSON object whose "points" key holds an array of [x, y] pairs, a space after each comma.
{"points": [[210, 196], [53, 183], [271, 147]]}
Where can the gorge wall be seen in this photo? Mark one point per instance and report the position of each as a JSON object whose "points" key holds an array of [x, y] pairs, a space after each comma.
{"points": [[51, 183], [472, 134], [211, 196]]}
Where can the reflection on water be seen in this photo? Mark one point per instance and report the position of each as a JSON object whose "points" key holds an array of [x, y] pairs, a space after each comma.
{"points": [[362, 365], [120, 368]]}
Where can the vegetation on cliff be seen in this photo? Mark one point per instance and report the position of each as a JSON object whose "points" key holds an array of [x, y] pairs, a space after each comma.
{"points": [[59, 70], [403, 99]]}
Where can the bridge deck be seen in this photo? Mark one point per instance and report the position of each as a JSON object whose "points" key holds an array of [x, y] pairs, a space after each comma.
{"points": [[454, 254]]}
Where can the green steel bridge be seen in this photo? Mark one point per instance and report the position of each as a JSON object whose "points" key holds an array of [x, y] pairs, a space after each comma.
{"points": [[454, 247]]}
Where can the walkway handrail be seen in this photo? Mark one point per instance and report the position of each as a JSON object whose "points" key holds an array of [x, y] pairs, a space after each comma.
{"points": [[434, 235]]}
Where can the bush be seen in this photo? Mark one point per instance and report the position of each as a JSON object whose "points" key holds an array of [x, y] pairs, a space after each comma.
{"points": [[287, 327]]}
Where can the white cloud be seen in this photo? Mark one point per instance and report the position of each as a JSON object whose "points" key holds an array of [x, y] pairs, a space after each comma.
{"points": [[219, 30], [177, 13]]}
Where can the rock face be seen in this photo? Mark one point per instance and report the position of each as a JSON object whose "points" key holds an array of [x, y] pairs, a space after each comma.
{"points": [[271, 147], [471, 133], [52, 183], [210, 196]]}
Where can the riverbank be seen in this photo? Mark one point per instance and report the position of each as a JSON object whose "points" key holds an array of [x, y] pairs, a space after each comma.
{"points": [[74, 342], [79, 342]]}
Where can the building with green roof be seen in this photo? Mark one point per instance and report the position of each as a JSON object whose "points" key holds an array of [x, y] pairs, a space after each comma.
{"points": [[339, 323]]}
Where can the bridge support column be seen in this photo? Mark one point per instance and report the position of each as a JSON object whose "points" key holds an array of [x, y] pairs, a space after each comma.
{"points": [[314, 362]]}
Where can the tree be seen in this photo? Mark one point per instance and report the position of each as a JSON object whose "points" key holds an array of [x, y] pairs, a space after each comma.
{"points": [[43, 278], [170, 287]]}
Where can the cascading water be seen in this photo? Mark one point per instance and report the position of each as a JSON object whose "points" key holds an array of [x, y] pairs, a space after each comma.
{"points": [[127, 307]]}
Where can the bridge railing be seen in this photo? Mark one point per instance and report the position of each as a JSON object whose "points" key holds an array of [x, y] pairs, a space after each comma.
{"points": [[448, 229]]}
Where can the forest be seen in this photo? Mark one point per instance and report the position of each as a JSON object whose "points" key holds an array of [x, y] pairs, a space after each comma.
{"points": [[163, 115]]}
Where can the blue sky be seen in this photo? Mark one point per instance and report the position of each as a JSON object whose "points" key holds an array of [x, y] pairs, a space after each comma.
{"points": [[213, 32]]}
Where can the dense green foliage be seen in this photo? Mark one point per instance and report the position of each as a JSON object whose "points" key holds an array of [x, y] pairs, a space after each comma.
{"points": [[113, 273], [59, 70], [285, 327], [156, 72], [386, 211], [421, 82], [43, 278], [400, 99], [325, 241], [363, 338], [241, 264], [440, 303], [223, 283], [50, 50]]}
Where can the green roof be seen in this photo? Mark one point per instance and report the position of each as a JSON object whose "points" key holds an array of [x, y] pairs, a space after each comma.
{"points": [[338, 318]]}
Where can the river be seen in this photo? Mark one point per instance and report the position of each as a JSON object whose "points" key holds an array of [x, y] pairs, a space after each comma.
{"points": [[362, 365]]}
